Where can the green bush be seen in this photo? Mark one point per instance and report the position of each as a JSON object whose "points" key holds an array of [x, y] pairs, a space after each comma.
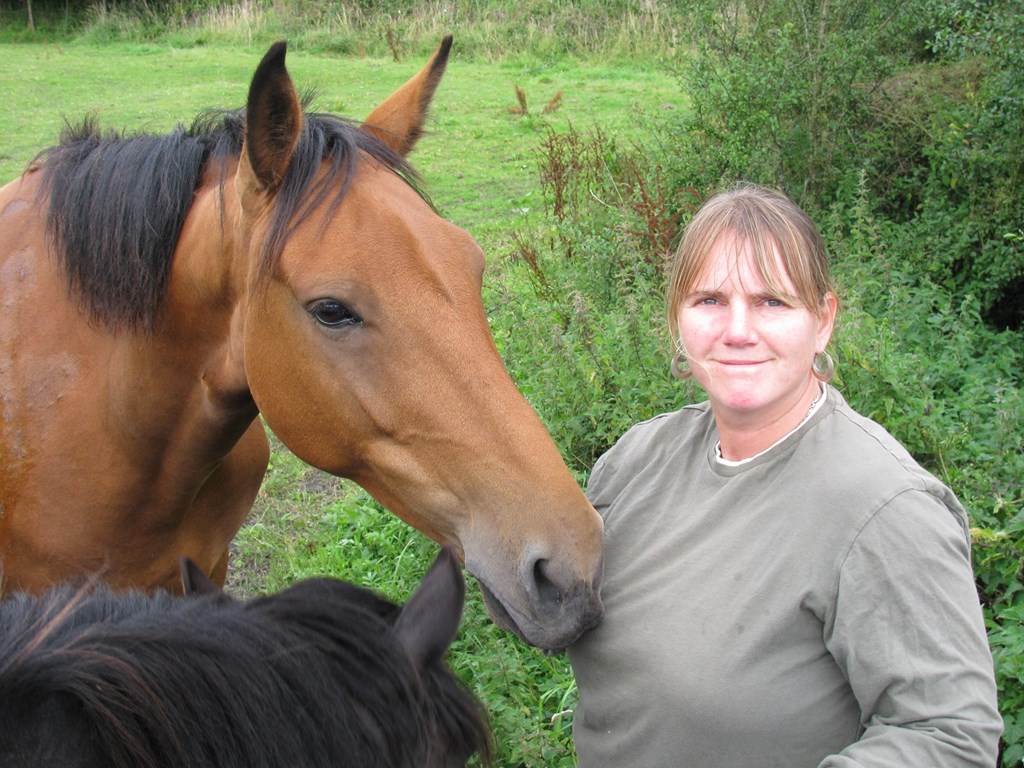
{"points": [[926, 98], [781, 90], [946, 154], [974, 193]]}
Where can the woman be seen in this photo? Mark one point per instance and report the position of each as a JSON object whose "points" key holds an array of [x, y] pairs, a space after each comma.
{"points": [[784, 585]]}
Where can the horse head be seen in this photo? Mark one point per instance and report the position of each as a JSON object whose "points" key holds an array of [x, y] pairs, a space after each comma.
{"points": [[367, 349], [322, 673]]}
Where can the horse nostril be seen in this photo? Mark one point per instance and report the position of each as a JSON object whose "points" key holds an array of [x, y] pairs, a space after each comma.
{"points": [[555, 593], [551, 586], [549, 592]]}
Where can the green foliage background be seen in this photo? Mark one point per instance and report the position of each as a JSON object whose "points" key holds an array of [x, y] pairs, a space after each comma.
{"points": [[899, 126]]}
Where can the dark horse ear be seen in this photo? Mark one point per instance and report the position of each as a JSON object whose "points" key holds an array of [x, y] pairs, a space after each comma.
{"points": [[273, 120], [194, 581], [428, 623]]}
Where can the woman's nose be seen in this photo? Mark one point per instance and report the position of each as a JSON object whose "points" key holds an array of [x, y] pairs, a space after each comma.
{"points": [[739, 327]]}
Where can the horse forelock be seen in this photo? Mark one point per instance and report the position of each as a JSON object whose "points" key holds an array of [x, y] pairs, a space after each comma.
{"points": [[322, 169], [116, 203]]}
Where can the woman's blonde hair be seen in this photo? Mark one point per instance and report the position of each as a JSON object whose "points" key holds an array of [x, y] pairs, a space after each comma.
{"points": [[769, 223]]}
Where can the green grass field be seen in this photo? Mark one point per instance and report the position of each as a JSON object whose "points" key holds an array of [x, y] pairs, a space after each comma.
{"points": [[478, 159]]}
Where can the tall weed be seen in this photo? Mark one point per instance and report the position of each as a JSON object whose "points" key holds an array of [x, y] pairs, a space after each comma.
{"points": [[488, 30], [579, 310]]}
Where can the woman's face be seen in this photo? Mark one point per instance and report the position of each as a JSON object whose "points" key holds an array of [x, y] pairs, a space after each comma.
{"points": [[750, 348]]}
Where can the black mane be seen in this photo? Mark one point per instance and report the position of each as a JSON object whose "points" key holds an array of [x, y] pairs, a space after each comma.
{"points": [[117, 203], [308, 677]]}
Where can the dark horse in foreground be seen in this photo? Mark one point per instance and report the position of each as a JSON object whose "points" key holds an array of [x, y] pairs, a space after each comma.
{"points": [[159, 293], [321, 674]]}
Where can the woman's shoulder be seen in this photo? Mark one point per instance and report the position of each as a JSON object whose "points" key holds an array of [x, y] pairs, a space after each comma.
{"points": [[682, 420], [663, 432], [866, 442], [869, 463], [650, 442]]}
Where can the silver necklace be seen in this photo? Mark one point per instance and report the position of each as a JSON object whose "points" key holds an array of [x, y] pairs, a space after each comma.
{"points": [[814, 403]]}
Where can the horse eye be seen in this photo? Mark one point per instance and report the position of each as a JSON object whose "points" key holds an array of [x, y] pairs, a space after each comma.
{"points": [[333, 314]]}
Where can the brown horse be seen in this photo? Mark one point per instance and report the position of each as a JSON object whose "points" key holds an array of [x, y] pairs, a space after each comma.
{"points": [[157, 293]]}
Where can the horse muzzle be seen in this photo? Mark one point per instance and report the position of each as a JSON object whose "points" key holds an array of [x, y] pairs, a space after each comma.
{"points": [[549, 608]]}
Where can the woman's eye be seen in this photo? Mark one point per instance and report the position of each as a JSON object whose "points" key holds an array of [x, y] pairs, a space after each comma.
{"points": [[333, 314]]}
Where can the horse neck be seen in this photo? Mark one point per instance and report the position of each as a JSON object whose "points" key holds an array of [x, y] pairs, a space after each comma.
{"points": [[194, 354]]}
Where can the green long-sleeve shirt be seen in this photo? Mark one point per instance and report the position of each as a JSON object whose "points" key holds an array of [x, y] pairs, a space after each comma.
{"points": [[814, 606]]}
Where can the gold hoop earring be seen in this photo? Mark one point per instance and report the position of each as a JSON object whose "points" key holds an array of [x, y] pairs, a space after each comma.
{"points": [[823, 367], [681, 364]]}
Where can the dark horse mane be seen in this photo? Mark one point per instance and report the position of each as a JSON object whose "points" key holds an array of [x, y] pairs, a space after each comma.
{"points": [[117, 203], [308, 677]]}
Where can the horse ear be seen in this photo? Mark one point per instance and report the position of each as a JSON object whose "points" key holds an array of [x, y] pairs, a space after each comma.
{"points": [[273, 121], [428, 623], [194, 581], [399, 120]]}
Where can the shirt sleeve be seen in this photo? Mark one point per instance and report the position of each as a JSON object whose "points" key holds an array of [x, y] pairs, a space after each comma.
{"points": [[605, 481], [908, 633]]}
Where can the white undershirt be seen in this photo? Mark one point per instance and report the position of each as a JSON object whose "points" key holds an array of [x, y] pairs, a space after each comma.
{"points": [[737, 462]]}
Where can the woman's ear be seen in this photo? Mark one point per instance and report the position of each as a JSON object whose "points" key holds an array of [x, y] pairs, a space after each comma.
{"points": [[827, 323]]}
